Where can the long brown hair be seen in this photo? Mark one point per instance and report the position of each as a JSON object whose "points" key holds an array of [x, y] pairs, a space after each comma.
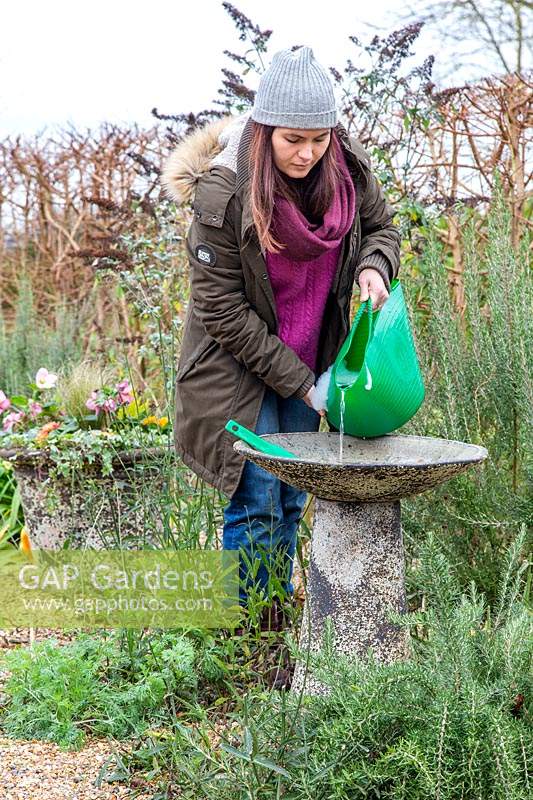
{"points": [[266, 180]]}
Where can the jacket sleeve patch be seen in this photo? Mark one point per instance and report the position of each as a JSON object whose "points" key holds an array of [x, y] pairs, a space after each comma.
{"points": [[205, 254]]}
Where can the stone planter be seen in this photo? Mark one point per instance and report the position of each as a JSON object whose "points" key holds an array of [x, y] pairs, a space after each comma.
{"points": [[91, 510]]}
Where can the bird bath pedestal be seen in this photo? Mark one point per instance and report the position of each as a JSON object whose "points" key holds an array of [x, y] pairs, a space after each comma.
{"points": [[356, 569]]}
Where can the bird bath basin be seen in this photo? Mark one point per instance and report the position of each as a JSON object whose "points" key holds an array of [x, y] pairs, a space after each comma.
{"points": [[356, 569]]}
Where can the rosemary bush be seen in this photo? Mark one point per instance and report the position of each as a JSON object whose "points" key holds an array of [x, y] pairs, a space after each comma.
{"points": [[30, 341], [479, 388], [453, 722]]}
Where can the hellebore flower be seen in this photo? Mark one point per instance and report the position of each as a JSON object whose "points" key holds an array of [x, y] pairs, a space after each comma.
{"points": [[109, 404], [5, 402], [11, 420], [45, 379], [98, 401], [92, 403], [35, 409], [124, 390]]}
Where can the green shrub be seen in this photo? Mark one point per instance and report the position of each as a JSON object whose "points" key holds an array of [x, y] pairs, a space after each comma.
{"points": [[453, 722], [98, 684], [32, 341], [479, 388], [11, 516]]}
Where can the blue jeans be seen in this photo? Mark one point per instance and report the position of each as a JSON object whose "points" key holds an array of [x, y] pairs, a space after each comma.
{"points": [[262, 517]]}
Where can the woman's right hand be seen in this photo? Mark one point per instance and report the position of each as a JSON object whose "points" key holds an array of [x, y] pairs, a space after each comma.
{"points": [[307, 399]]}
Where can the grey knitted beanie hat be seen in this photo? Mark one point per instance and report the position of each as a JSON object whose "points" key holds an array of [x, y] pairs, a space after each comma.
{"points": [[295, 92]]}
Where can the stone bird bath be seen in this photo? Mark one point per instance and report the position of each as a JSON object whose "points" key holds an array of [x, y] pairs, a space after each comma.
{"points": [[356, 569]]}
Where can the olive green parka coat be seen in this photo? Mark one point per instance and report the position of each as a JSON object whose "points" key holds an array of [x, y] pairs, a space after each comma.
{"points": [[229, 350]]}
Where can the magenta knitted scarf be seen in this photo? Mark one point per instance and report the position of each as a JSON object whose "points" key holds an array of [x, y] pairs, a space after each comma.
{"points": [[301, 274], [305, 241]]}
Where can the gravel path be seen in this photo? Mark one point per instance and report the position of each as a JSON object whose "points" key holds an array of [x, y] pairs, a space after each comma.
{"points": [[35, 770]]}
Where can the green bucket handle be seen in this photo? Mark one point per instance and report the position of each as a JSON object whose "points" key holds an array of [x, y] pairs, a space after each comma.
{"points": [[366, 306], [370, 313]]}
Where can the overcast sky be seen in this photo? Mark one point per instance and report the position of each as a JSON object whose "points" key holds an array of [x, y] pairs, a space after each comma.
{"points": [[66, 61]]}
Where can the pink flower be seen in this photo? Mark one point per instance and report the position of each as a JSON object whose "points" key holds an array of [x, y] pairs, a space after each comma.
{"points": [[92, 403], [5, 402], [99, 402], [35, 409], [11, 420], [45, 379], [125, 395]]}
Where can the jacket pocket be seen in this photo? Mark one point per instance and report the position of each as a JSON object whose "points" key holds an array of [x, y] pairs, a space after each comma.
{"points": [[206, 345]]}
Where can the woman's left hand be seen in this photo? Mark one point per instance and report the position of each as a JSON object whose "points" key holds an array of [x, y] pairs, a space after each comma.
{"points": [[372, 285], [307, 399]]}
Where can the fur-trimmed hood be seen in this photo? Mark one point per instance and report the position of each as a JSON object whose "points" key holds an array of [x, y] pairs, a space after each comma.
{"points": [[216, 142]]}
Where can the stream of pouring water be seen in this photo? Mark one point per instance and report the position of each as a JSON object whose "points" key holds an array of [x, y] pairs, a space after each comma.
{"points": [[341, 430]]}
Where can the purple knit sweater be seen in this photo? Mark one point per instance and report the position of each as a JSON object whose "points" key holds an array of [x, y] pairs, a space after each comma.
{"points": [[300, 291]]}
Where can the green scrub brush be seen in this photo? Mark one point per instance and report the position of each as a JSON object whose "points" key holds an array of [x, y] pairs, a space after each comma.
{"points": [[256, 441]]}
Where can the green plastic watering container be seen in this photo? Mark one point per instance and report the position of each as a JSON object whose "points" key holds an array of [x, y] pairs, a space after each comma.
{"points": [[377, 367]]}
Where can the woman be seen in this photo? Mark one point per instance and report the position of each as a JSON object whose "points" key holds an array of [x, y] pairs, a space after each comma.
{"points": [[287, 215]]}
